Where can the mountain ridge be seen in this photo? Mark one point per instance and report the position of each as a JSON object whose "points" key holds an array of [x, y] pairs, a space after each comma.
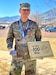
{"points": [[49, 15], [46, 17]]}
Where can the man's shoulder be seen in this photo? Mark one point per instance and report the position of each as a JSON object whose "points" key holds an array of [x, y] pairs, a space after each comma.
{"points": [[31, 21], [16, 22]]}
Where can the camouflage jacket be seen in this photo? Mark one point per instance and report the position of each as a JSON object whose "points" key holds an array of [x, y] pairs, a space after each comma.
{"points": [[33, 34]]}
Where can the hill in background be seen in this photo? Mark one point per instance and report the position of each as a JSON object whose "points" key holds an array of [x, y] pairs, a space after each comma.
{"points": [[46, 17], [49, 15]]}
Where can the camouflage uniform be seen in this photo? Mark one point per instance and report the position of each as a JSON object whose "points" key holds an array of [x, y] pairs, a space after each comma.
{"points": [[33, 34]]}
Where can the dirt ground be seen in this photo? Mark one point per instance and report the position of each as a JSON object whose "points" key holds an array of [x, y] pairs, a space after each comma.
{"points": [[46, 66], [46, 34], [3, 33]]}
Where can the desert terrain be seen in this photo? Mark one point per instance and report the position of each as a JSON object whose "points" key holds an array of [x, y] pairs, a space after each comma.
{"points": [[45, 66], [3, 33]]}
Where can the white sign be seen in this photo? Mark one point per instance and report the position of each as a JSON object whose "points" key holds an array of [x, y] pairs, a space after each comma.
{"points": [[39, 49]]}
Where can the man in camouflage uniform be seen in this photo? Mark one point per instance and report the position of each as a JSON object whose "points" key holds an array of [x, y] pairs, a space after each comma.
{"points": [[24, 30]]}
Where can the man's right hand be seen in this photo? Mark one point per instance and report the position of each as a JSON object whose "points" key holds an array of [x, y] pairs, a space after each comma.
{"points": [[13, 52]]}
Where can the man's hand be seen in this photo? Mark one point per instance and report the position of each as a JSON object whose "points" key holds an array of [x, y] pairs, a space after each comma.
{"points": [[13, 52]]}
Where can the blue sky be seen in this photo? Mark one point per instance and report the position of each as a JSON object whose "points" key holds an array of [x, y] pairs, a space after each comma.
{"points": [[11, 7]]}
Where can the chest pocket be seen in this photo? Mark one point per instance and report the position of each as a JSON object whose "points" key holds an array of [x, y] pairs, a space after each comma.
{"points": [[31, 32], [17, 34]]}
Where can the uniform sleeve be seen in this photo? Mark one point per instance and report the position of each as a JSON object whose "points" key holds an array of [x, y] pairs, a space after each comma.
{"points": [[38, 33], [10, 38]]}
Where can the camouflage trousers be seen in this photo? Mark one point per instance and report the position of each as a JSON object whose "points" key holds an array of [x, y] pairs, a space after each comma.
{"points": [[17, 64]]}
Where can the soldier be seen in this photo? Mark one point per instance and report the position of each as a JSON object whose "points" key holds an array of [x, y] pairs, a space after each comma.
{"points": [[24, 30]]}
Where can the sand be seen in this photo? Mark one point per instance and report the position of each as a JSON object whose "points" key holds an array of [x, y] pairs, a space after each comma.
{"points": [[45, 66]]}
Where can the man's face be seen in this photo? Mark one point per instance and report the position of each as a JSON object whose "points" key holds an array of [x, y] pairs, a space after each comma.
{"points": [[24, 12]]}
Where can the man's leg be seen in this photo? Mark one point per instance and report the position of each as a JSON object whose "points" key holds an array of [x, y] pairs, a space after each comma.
{"points": [[30, 67], [16, 67]]}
